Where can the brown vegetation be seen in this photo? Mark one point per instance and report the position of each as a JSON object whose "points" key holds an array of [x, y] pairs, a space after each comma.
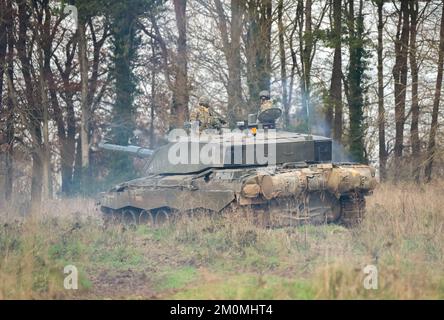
{"points": [[228, 257]]}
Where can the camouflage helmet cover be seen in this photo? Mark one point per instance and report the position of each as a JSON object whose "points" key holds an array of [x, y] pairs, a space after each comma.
{"points": [[264, 94], [204, 101]]}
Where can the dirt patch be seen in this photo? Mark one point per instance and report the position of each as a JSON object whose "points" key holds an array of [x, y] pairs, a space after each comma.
{"points": [[127, 284]]}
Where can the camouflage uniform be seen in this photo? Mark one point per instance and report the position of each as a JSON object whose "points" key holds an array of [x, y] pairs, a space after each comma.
{"points": [[203, 114], [265, 103]]}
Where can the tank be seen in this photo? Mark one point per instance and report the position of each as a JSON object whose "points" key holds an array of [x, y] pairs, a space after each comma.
{"points": [[278, 177]]}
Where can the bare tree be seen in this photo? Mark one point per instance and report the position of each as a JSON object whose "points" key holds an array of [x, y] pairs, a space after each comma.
{"points": [[400, 78], [335, 98], [7, 70], [179, 109], [354, 84], [32, 111], [231, 40], [431, 148], [381, 108], [258, 49], [307, 30], [283, 63], [85, 117], [3, 46], [414, 132], [66, 132]]}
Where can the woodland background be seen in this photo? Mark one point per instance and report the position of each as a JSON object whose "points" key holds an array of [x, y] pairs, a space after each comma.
{"points": [[366, 73]]}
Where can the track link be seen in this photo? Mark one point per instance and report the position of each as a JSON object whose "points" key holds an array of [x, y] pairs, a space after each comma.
{"points": [[352, 210]]}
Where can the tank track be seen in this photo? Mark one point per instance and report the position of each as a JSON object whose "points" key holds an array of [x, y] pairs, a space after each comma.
{"points": [[349, 211], [352, 210]]}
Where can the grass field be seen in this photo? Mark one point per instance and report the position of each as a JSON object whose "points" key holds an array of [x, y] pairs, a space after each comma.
{"points": [[227, 257]]}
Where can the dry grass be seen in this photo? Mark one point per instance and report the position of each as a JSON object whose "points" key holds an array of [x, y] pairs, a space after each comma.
{"points": [[229, 257], [403, 236]]}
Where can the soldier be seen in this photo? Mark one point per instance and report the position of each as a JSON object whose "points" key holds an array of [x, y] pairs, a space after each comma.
{"points": [[204, 115], [268, 113], [266, 103]]}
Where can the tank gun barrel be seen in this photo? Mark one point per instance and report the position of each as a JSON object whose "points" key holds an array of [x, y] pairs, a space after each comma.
{"points": [[133, 150]]}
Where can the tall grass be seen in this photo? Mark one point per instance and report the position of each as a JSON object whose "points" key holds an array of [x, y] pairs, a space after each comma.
{"points": [[229, 256]]}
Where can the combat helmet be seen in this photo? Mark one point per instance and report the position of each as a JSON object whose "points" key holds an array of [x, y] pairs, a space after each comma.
{"points": [[264, 94], [204, 101]]}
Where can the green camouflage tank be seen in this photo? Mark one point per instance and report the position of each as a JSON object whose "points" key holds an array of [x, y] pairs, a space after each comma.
{"points": [[278, 176]]}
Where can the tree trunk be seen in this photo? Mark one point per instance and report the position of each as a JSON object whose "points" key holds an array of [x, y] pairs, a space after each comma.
{"points": [[153, 108], [36, 182], [235, 100], [294, 63], [46, 156], [414, 133], [47, 83], [283, 61], [3, 67], [431, 148], [77, 173], [84, 124], [232, 49], [94, 97], [34, 117], [69, 149], [153, 96], [306, 64], [381, 109], [335, 99], [258, 49], [67, 141], [303, 21], [400, 79], [7, 64], [179, 110], [3, 45], [97, 47], [355, 80]]}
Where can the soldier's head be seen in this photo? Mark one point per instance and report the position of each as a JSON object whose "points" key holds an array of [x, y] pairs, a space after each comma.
{"points": [[264, 95], [204, 101]]}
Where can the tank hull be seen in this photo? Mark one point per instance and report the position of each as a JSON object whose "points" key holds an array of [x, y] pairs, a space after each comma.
{"points": [[316, 193]]}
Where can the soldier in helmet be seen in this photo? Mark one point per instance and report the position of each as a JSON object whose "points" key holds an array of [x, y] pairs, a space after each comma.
{"points": [[268, 113], [206, 117], [265, 101]]}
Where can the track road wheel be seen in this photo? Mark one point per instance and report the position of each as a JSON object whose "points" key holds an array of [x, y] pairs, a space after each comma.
{"points": [[129, 217], [112, 217], [146, 218], [164, 217], [352, 210], [107, 216]]}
